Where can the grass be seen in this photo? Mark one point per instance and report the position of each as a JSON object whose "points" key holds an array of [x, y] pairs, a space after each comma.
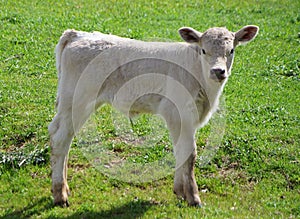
{"points": [[254, 174]]}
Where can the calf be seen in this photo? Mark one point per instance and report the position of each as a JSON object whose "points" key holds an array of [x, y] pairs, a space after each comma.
{"points": [[180, 81]]}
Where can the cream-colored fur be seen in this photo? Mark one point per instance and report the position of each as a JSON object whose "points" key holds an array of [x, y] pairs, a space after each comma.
{"points": [[180, 81]]}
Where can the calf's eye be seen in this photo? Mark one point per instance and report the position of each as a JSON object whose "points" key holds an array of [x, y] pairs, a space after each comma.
{"points": [[203, 51], [231, 52]]}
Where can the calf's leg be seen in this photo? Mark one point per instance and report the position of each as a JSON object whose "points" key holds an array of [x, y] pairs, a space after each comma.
{"points": [[61, 134], [70, 117], [182, 134], [185, 185]]}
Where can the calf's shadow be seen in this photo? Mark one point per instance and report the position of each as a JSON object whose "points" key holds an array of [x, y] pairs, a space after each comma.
{"points": [[132, 209]]}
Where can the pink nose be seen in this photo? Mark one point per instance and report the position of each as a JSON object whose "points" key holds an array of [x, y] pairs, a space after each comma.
{"points": [[220, 73]]}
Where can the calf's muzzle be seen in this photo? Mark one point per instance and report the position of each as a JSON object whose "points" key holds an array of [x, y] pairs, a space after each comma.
{"points": [[219, 73]]}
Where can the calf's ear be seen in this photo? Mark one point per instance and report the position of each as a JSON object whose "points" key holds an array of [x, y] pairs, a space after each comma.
{"points": [[190, 35], [246, 34]]}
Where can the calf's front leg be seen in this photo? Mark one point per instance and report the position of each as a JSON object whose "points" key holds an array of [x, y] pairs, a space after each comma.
{"points": [[185, 185], [182, 134]]}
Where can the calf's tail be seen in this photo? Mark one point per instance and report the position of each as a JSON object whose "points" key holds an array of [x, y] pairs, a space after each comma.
{"points": [[66, 38]]}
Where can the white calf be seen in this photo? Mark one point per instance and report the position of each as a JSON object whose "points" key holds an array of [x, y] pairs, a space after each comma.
{"points": [[180, 81]]}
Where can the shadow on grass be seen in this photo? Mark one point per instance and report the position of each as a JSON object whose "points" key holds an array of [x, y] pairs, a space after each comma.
{"points": [[35, 208], [133, 209]]}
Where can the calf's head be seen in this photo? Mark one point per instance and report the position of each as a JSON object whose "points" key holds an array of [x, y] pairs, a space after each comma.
{"points": [[217, 47]]}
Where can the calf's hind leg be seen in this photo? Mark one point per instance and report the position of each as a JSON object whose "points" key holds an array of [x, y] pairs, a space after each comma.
{"points": [[61, 134], [62, 129]]}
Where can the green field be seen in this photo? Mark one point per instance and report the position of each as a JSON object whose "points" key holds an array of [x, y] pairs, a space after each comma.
{"points": [[254, 174]]}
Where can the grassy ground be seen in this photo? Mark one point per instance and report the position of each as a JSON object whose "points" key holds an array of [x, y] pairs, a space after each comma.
{"points": [[255, 173]]}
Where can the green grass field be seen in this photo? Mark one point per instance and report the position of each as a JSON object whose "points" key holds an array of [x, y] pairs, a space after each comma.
{"points": [[254, 174]]}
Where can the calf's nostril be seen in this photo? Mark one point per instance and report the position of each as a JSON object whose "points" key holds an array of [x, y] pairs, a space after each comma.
{"points": [[217, 71]]}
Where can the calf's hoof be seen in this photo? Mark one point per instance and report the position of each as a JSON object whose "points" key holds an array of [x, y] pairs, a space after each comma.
{"points": [[194, 201], [60, 195], [62, 203]]}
